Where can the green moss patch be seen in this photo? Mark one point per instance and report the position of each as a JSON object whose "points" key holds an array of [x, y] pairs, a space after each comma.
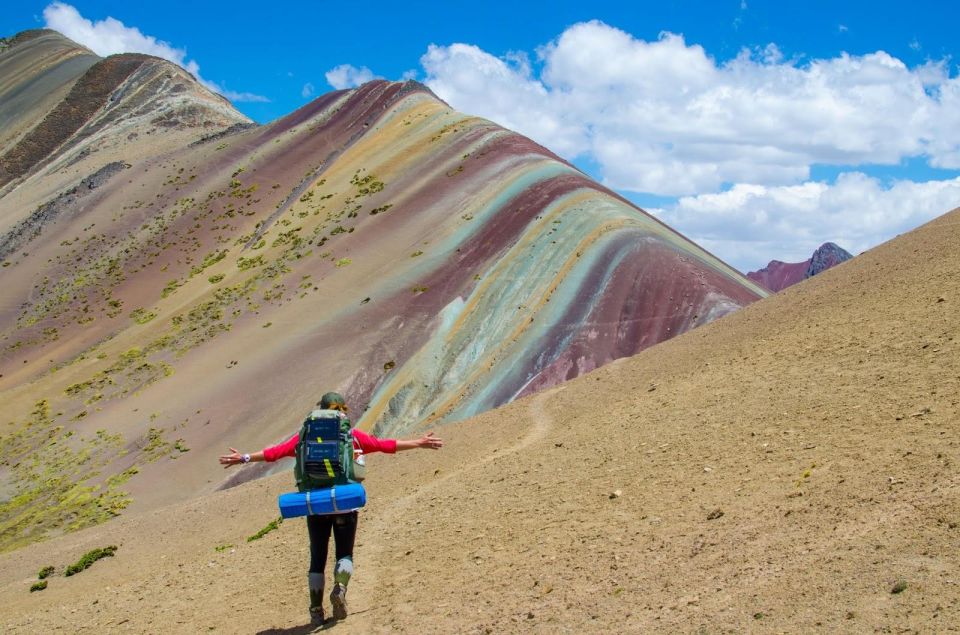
{"points": [[89, 558], [142, 316], [52, 474], [273, 524]]}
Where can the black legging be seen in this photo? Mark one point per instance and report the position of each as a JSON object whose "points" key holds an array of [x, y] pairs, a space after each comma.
{"points": [[344, 532]]}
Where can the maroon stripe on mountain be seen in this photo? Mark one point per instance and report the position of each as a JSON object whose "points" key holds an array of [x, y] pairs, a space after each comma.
{"points": [[87, 96], [651, 294]]}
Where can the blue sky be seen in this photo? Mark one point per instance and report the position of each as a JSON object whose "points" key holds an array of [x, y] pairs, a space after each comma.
{"points": [[245, 47], [759, 129]]}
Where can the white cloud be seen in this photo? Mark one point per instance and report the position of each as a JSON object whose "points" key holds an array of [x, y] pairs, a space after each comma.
{"points": [[233, 95], [474, 81], [749, 225], [111, 36], [348, 76], [665, 117], [307, 90]]}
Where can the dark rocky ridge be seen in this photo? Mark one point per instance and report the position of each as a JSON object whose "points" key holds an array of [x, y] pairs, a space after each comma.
{"points": [[826, 256], [21, 37], [30, 228], [232, 130]]}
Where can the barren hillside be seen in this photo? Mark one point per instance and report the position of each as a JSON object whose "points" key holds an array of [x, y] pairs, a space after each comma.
{"points": [[784, 469]]}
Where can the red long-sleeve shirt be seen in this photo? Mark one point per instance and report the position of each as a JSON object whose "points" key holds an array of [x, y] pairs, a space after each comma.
{"points": [[367, 443]]}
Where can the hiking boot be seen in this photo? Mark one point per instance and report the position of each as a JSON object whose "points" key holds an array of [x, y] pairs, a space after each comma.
{"points": [[338, 598], [316, 599], [316, 616]]}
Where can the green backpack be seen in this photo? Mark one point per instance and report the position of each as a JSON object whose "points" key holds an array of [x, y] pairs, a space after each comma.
{"points": [[324, 454]]}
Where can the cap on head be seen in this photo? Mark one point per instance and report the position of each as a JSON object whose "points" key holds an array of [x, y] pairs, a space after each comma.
{"points": [[333, 400]]}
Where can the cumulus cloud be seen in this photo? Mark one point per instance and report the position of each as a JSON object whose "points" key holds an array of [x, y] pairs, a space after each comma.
{"points": [[307, 90], [750, 225], [504, 91], [664, 117], [348, 76], [111, 36]]}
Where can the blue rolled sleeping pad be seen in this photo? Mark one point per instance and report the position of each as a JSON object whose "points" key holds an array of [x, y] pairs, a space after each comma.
{"points": [[339, 498]]}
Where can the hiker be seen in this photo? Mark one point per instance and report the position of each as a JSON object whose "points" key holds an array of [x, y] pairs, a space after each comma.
{"points": [[342, 524]]}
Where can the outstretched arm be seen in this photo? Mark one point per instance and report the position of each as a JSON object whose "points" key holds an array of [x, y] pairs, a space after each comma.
{"points": [[427, 441], [229, 460], [273, 453]]}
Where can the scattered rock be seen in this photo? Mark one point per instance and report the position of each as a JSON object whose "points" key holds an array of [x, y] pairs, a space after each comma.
{"points": [[715, 514], [615, 494], [899, 587]]}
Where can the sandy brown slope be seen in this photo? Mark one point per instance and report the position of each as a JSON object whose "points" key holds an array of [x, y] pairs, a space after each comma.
{"points": [[779, 471]]}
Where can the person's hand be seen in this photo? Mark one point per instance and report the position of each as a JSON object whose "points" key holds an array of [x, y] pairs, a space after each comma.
{"points": [[429, 441], [229, 460]]}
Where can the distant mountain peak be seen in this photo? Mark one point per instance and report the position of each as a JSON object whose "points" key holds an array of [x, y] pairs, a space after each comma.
{"points": [[779, 275], [827, 255]]}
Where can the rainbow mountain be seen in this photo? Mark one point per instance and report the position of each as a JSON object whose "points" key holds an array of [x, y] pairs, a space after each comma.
{"points": [[177, 279]]}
